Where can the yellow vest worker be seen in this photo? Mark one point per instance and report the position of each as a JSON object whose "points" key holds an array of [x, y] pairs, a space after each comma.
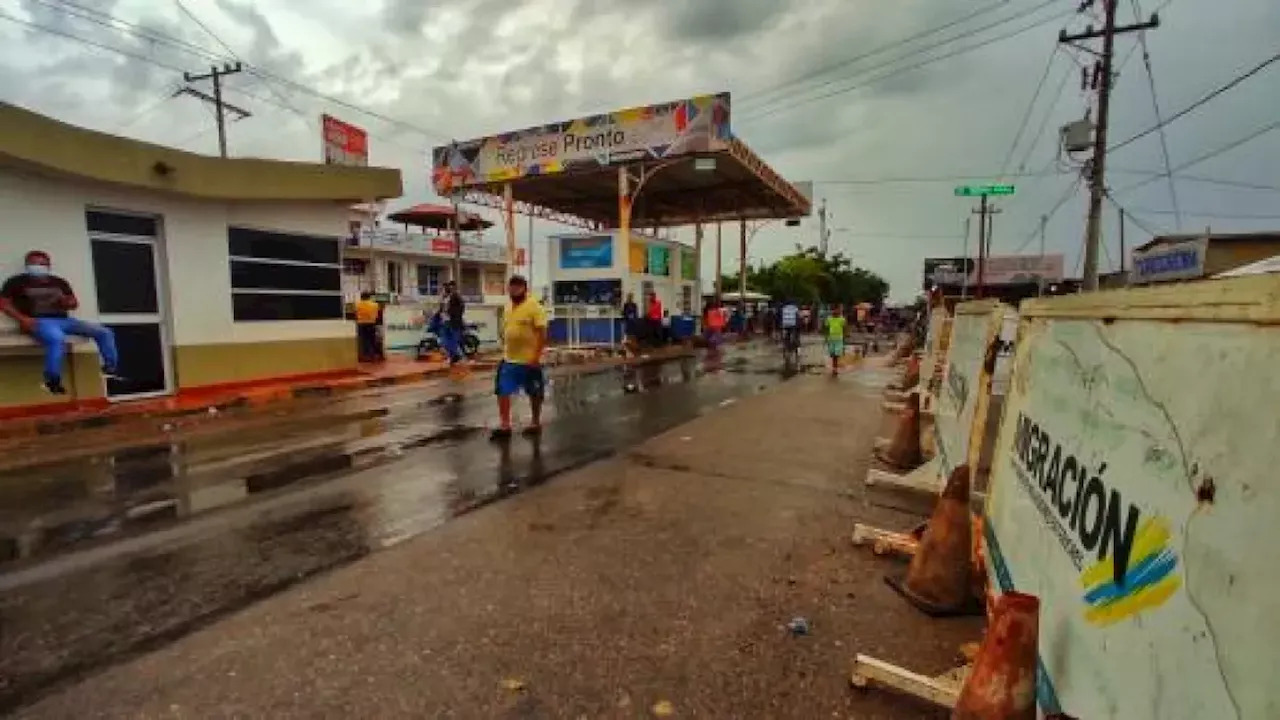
{"points": [[366, 312]]}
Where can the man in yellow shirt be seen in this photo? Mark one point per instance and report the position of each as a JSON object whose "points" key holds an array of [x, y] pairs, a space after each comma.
{"points": [[524, 337]]}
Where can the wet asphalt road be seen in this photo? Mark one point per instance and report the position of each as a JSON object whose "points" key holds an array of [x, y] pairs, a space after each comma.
{"points": [[106, 556]]}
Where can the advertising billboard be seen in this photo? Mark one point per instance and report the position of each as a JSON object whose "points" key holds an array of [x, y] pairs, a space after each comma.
{"points": [[1172, 261], [688, 265], [659, 260], [999, 270], [672, 129], [585, 253], [344, 143]]}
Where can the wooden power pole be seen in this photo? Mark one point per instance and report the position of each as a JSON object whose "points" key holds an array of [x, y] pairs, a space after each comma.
{"points": [[220, 108], [986, 219], [1104, 72]]}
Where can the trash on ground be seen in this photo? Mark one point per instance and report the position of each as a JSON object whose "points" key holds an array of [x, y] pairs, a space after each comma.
{"points": [[512, 684], [663, 708], [798, 626]]}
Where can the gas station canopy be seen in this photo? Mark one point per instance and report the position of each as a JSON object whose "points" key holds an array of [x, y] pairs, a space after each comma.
{"points": [[670, 164]]}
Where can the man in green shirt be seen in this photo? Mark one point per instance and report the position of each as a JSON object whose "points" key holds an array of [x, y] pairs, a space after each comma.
{"points": [[834, 329]]}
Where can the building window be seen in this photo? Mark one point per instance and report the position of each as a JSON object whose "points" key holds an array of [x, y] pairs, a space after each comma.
{"points": [[395, 277], [470, 286], [284, 276], [429, 280]]}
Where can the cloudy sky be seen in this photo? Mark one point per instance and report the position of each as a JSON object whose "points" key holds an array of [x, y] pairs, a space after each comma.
{"points": [[823, 90]]}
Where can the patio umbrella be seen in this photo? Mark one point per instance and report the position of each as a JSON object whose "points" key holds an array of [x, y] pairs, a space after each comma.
{"points": [[438, 217]]}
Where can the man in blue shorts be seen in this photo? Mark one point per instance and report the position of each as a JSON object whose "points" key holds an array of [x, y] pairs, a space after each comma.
{"points": [[524, 337]]}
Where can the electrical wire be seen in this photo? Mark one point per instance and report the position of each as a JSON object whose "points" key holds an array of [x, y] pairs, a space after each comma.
{"points": [[1155, 107], [112, 22], [1044, 122], [208, 31], [155, 36], [898, 71], [1071, 191], [1206, 156], [784, 90], [1026, 116], [147, 109], [1198, 103], [1211, 214], [1129, 215]]}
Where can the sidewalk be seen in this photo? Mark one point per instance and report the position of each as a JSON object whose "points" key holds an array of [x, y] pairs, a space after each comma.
{"points": [[28, 441], [663, 575]]}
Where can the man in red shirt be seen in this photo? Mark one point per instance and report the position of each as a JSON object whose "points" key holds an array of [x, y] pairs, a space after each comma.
{"points": [[653, 317], [41, 302]]}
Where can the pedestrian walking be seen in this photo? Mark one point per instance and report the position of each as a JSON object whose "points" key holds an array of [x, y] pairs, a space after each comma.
{"points": [[835, 330], [524, 337]]}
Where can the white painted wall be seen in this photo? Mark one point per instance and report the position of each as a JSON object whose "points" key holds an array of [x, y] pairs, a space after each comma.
{"points": [[49, 214]]}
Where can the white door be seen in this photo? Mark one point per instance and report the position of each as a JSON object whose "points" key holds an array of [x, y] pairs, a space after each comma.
{"points": [[131, 299]]}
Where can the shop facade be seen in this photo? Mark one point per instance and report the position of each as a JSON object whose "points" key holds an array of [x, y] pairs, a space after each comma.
{"points": [[591, 274]]}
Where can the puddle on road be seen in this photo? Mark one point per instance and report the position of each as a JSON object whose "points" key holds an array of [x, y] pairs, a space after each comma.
{"points": [[128, 556]]}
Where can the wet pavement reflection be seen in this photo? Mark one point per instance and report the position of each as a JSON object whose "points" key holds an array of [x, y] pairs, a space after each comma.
{"points": [[109, 555]]}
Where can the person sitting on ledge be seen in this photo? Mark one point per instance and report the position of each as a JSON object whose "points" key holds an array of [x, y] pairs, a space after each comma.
{"points": [[41, 303]]}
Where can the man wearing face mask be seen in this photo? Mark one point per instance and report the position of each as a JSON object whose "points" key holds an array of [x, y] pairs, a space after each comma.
{"points": [[524, 337], [40, 302]]}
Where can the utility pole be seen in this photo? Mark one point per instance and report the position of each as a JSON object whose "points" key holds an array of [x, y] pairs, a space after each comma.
{"points": [[964, 278], [823, 233], [1104, 71], [1044, 223], [220, 108], [719, 263], [1120, 212], [986, 221], [742, 268]]}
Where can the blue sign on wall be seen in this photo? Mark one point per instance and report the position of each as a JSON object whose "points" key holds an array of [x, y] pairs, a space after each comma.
{"points": [[582, 253]]}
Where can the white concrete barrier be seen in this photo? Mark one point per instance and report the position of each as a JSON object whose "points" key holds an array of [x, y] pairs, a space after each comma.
{"points": [[1133, 491]]}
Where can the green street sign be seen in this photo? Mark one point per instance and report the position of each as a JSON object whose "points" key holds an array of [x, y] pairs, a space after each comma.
{"points": [[977, 190]]}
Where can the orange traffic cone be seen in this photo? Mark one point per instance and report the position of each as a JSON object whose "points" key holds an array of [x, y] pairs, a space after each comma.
{"points": [[1002, 683], [911, 377], [903, 452], [939, 579]]}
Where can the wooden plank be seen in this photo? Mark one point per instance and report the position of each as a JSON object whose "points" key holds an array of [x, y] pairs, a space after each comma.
{"points": [[883, 541], [923, 479], [940, 691]]}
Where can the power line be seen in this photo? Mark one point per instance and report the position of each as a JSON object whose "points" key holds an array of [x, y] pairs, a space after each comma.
{"points": [[167, 95], [1131, 217], [1071, 191], [1048, 116], [208, 31], [155, 36], [1207, 156], [898, 71], [1199, 103], [112, 22], [790, 86], [1026, 116], [1155, 107], [1211, 214]]}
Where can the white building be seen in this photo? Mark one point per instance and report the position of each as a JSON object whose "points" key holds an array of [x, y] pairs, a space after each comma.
{"points": [[210, 271]]}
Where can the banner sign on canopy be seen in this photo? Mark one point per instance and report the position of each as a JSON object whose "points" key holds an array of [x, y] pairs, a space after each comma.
{"points": [[672, 129], [1133, 491], [659, 260], [344, 143], [580, 253]]}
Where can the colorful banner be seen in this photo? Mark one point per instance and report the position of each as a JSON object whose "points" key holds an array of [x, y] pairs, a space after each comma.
{"points": [[688, 265], [638, 258], [344, 143], [672, 129], [659, 260], [583, 253]]}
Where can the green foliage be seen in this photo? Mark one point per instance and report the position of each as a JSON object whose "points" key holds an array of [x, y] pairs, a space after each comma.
{"points": [[807, 277]]}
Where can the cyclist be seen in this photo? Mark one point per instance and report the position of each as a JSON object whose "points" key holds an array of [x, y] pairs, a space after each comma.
{"points": [[789, 321]]}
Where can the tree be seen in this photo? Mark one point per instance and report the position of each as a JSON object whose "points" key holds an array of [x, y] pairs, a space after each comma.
{"points": [[808, 276]]}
